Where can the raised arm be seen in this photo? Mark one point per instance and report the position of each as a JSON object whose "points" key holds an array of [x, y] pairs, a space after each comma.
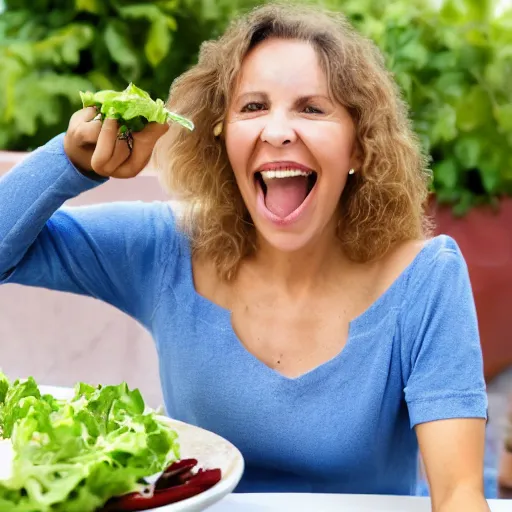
{"points": [[114, 252]]}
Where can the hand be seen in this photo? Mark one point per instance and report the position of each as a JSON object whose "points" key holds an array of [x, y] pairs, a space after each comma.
{"points": [[94, 146]]}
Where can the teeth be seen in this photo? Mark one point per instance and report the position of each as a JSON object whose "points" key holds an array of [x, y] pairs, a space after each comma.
{"points": [[283, 173]]}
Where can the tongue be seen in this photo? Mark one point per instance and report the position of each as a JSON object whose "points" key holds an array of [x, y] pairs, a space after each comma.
{"points": [[285, 195]]}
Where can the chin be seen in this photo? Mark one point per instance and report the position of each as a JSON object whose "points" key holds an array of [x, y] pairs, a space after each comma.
{"points": [[287, 241]]}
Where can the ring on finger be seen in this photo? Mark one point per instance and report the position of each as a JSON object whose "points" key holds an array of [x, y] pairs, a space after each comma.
{"points": [[127, 136]]}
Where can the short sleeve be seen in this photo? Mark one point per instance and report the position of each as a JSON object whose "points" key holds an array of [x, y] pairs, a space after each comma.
{"points": [[441, 353]]}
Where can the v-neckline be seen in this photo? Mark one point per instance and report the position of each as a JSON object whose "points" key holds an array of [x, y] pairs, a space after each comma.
{"points": [[221, 318]]}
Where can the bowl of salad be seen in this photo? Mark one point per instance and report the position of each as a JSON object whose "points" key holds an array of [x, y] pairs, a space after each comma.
{"points": [[100, 449]]}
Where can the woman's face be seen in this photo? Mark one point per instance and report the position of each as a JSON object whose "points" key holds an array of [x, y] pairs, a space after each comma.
{"points": [[289, 144]]}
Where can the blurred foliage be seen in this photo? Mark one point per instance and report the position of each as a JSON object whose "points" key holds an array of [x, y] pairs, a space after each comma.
{"points": [[453, 63], [51, 49], [454, 66]]}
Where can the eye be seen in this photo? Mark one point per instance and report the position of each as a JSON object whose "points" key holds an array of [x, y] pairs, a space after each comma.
{"points": [[309, 109], [253, 107]]}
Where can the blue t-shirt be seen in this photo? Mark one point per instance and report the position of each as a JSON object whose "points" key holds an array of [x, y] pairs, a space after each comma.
{"points": [[413, 356]]}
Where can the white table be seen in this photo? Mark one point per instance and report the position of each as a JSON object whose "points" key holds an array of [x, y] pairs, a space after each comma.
{"points": [[332, 503]]}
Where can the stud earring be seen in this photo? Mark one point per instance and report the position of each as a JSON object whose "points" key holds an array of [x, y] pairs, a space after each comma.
{"points": [[217, 129], [351, 171]]}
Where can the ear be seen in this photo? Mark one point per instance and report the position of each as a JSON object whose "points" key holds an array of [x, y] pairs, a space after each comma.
{"points": [[357, 157]]}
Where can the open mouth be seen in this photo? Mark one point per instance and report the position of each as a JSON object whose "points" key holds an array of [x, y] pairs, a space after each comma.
{"points": [[285, 190]]}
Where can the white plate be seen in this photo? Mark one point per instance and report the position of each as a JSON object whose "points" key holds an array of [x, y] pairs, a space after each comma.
{"points": [[210, 450]]}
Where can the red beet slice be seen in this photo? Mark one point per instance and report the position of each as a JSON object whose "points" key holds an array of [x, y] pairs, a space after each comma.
{"points": [[196, 484], [177, 473], [179, 466]]}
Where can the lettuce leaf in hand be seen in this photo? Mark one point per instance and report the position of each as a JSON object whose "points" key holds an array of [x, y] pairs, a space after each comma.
{"points": [[74, 455], [133, 108]]}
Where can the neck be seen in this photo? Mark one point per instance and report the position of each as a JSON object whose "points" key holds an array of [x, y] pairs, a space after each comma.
{"points": [[301, 270]]}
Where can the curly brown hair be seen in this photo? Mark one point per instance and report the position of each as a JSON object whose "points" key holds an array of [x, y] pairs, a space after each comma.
{"points": [[382, 204]]}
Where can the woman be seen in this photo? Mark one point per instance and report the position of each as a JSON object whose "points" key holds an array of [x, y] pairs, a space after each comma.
{"points": [[299, 308]]}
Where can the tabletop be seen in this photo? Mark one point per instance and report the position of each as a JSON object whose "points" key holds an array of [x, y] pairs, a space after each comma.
{"points": [[332, 503]]}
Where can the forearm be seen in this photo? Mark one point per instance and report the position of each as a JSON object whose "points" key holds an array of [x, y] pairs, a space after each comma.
{"points": [[29, 194], [468, 499]]}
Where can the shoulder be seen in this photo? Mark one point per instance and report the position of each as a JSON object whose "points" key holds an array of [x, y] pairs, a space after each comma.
{"points": [[439, 261], [413, 262], [437, 291]]}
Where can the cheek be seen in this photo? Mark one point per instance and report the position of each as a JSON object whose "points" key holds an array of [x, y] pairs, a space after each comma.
{"points": [[332, 147], [237, 147], [238, 151]]}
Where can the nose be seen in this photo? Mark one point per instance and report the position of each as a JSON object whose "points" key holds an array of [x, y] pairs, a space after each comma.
{"points": [[278, 130]]}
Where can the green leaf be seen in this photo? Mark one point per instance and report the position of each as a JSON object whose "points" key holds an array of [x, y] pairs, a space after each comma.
{"points": [[149, 12], [451, 84], [443, 61], [171, 23], [130, 105], [159, 41], [92, 6], [468, 150], [446, 173], [415, 52], [453, 11], [23, 50], [445, 124], [477, 37], [121, 50], [14, 406], [43, 97], [473, 109], [465, 11], [4, 386], [100, 80], [495, 74], [503, 114], [64, 45], [490, 173]]}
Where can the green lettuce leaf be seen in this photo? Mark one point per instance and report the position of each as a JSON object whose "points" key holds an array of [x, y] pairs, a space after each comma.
{"points": [[133, 108], [74, 455]]}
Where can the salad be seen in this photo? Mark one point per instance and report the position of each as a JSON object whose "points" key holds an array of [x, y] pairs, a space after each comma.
{"points": [[133, 108], [102, 450]]}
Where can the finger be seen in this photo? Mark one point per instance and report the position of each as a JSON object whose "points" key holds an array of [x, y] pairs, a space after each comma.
{"points": [[87, 132], [139, 158], [120, 154], [82, 116], [131, 168], [143, 145], [105, 145], [151, 133]]}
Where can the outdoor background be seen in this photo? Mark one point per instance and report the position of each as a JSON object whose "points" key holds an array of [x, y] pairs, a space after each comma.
{"points": [[451, 58]]}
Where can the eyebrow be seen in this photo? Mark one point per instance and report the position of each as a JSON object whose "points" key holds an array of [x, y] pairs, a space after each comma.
{"points": [[300, 99]]}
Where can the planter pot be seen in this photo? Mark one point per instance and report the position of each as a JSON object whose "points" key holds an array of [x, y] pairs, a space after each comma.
{"points": [[485, 238]]}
